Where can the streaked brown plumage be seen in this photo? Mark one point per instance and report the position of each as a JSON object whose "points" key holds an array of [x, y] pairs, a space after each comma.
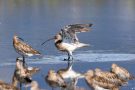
{"points": [[22, 48], [6, 86], [70, 31], [99, 83], [121, 72], [111, 77], [55, 80]]}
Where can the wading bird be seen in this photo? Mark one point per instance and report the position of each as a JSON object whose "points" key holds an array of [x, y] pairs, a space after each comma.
{"points": [[109, 76], [23, 48], [121, 72], [67, 41], [6, 86], [99, 83]]}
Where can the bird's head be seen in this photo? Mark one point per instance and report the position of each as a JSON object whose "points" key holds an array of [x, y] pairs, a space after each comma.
{"points": [[17, 38], [114, 65]]}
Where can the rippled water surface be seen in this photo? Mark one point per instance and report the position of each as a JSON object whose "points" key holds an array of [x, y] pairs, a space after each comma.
{"points": [[112, 37]]}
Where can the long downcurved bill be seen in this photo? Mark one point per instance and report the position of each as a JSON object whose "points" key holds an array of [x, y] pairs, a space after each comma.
{"points": [[47, 40]]}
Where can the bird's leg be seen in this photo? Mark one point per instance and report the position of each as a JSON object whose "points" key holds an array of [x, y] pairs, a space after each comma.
{"points": [[76, 40], [70, 56], [23, 61]]}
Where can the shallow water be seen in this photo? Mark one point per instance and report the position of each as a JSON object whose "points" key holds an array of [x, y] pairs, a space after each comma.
{"points": [[112, 36]]}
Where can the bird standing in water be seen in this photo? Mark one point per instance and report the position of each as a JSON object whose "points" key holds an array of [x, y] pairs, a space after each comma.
{"points": [[109, 76], [67, 41], [23, 48], [99, 83], [121, 72], [6, 86]]}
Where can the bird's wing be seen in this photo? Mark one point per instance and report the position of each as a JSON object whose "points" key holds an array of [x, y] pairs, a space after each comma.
{"points": [[104, 83], [25, 48], [124, 73], [70, 31], [123, 70], [111, 77]]}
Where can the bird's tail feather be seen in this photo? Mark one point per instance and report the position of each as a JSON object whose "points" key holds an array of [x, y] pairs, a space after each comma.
{"points": [[83, 45]]}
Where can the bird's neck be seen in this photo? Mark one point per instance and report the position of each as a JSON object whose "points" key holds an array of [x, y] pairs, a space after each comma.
{"points": [[57, 42], [15, 40]]}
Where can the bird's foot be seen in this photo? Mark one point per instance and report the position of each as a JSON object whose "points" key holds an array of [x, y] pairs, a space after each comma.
{"points": [[67, 59]]}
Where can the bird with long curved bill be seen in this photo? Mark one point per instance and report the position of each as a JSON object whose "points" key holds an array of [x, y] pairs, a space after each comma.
{"points": [[23, 48], [67, 41]]}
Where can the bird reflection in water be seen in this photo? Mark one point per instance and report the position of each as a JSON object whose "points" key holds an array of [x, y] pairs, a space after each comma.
{"points": [[71, 77]]}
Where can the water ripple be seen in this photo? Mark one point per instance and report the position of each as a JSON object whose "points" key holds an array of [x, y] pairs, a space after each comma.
{"points": [[84, 57]]}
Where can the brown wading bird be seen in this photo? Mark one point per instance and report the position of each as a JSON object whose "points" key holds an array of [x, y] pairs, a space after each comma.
{"points": [[55, 80], [99, 83], [23, 49], [66, 40], [121, 72], [6, 86], [111, 77]]}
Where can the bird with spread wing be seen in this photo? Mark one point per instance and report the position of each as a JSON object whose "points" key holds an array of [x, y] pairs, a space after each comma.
{"points": [[67, 41]]}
